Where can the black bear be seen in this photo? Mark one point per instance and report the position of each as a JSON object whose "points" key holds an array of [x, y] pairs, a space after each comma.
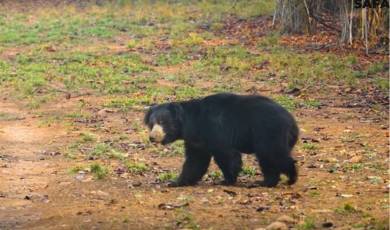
{"points": [[223, 126]]}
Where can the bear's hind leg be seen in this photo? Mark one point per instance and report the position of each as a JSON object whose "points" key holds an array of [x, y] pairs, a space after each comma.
{"points": [[270, 169], [195, 166], [231, 164]]}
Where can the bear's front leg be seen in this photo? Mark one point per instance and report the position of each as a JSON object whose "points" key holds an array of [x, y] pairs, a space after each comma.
{"points": [[230, 163], [195, 166]]}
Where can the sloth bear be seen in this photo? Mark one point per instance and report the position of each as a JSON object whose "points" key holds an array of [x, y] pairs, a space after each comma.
{"points": [[223, 126]]}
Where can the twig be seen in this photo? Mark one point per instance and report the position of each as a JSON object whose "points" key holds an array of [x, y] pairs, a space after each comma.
{"points": [[322, 22]]}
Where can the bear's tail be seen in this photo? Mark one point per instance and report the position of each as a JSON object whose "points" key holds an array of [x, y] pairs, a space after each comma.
{"points": [[290, 170]]}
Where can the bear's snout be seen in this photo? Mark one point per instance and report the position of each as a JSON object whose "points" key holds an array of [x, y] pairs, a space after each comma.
{"points": [[157, 134]]}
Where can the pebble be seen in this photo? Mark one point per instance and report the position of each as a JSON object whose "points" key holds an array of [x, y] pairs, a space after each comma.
{"points": [[331, 160], [286, 219], [356, 159], [277, 226]]}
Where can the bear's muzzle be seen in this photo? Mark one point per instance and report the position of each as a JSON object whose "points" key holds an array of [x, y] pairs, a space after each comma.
{"points": [[157, 134]]}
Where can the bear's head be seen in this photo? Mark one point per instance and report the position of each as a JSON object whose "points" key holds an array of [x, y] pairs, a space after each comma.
{"points": [[164, 122]]}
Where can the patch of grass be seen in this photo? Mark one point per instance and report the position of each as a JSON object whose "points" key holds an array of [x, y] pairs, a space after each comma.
{"points": [[186, 92], [308, 224], [167, 176], [215, 175], [88, 137], [359, 74], [248, 171], [76, 169], [131, 44], [72, 150], [193, 39], [126, 103], [309, 146], [184, 219], [314, 193], [270, 40], [312, 104], [103, 150], [137, 167], [346, 209], [79, 115], [171, 58], [378, 224], [354, 167], [227, 59], [350, 137], [307, 70], [382, 84], [376, 67], [175, 149], [287, 102], [99, 171], [100, 149], [115, 154], [8, 116]]}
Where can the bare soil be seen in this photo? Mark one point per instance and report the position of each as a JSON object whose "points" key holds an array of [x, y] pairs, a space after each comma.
{"points": [[37, 192]]}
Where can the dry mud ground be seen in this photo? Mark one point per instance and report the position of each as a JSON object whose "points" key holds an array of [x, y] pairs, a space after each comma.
{"points": [[343, 182], [342, 157]]}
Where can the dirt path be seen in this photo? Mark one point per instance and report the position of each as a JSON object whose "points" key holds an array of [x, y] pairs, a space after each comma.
{"points": [[26, 165], [37, 192]]}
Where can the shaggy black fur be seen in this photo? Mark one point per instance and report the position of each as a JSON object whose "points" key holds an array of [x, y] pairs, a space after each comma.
{"points": [[225, 125]]}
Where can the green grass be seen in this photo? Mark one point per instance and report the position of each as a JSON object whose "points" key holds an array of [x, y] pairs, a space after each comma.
{"points": [[71, 50], [8, 116], [248, 171], [287, 102], [100, 150], [87, 137], [215, 175], [167, 176], [175, 149], [185, 220], [103, 150], [137, 167], [346, 209], [309, 146], [76, 169], [99, 171], [308, 224], [312, 104]]}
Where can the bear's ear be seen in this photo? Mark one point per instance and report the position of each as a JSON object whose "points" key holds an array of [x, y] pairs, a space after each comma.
{"points": [[177, 111], [149, 111]]}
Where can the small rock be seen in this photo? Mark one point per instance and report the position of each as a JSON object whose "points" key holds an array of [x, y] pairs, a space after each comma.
{"points": [[327, 224], [277, 226], [356, 159], [104, 112], [137, 184], [331, 160], [346, 195], [231, 193], [375, 179], [120, 170], [286, 219], [262, 208], [80, 176], [101, 193], [165, 206]]}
